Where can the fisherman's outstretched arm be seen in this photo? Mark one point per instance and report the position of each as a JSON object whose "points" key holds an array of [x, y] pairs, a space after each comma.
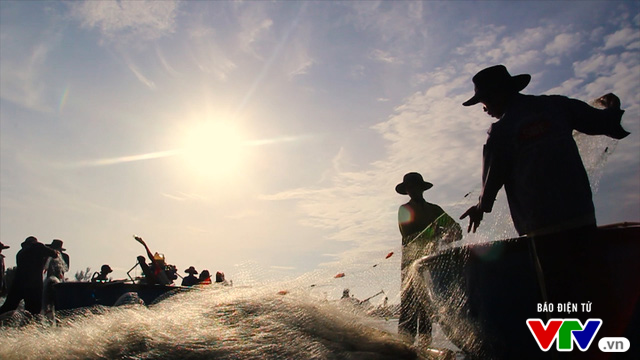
{"points": [[593, 121]]}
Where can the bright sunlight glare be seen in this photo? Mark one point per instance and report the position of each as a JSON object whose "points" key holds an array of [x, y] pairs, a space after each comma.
{"points": [[213, 149]]}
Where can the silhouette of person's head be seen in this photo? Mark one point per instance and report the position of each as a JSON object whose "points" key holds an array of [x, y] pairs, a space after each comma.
{"points": [[29, 241], [494, 86], [105, 269], [413, 185], [204, 275]]}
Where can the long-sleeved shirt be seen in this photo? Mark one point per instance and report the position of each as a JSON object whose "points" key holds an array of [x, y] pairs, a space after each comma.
{"points": [[531, 152]]}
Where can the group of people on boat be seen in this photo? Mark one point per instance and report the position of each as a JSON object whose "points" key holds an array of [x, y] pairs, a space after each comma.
{"points": [[203, 279], [159, 272], [39, 266], [530, 151], [32, 261]]}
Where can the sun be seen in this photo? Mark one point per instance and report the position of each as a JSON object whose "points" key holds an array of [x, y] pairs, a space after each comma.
{"points": [[213, 148]]}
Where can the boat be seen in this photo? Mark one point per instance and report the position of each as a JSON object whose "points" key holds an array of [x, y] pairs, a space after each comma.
{"points": [[75, 294], [483, 294]]}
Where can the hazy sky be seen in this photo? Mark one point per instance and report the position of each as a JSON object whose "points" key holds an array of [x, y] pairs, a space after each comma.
{"points": [[268, 137]]}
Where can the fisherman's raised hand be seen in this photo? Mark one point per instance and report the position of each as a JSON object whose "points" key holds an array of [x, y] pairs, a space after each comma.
{"points": [[475, 217], [139, 239]]}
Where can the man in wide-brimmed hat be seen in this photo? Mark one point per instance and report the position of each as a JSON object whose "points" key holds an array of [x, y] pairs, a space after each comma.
{"points": [[56, 245], [3, 285], [422, 225], [59, 265], [531, 152], [56, 268], [191, 279]]}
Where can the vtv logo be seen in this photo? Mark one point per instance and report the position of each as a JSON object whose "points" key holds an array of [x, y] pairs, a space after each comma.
{"points": [[564, 332]]}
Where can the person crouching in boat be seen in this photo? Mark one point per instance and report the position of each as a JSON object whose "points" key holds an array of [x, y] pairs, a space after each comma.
{"points": [[149, 273], [204, 278], [422, 225], [191, 279], [100, 277]]}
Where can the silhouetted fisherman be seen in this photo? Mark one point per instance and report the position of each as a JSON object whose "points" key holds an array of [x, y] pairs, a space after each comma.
{"points": [[157, 267], [56, 244], [530, 151], [55, 267], [3, 285], [204, 278], [105, 270], [220, 277], [191, 279], [422, 225], [27, 284], [149, 276]]}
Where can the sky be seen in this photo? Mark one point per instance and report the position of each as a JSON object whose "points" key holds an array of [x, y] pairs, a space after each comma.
{"points": [[265, 138]]}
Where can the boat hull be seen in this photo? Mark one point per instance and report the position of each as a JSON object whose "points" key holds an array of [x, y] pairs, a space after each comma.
{"points": [[483, 294], [72, 295]]}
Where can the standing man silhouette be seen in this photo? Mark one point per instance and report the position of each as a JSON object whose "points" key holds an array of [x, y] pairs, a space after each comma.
{"points": [[530, 151], [422, 225]]}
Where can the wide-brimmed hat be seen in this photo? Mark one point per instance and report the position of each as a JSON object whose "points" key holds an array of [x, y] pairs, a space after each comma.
{"points": [[415, 179], [3, 246], [29, 241], [191, 270], [106, 269], [496, 78], [56, 245]]}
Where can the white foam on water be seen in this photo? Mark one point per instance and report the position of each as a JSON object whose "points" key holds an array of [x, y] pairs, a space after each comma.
{"points": [[210, 323]]}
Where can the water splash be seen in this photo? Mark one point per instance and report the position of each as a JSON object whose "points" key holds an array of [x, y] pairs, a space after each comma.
{"points": [[212, 323]]}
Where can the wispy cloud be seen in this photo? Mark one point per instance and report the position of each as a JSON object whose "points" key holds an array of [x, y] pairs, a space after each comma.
{"points": [[385, 56], [143, 79], [623, 38], [23, 70], [121, 159], [298, 61], [206, 50], [127, 20]]}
